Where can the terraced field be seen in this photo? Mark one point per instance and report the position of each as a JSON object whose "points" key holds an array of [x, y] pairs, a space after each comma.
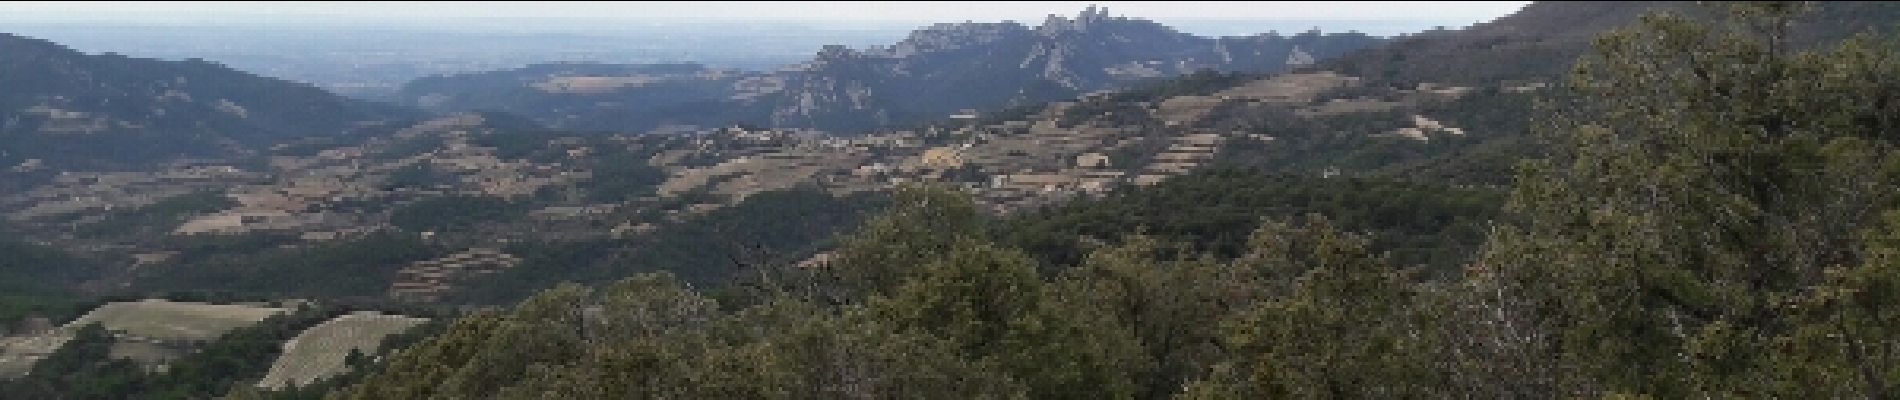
{"points": [[150, 331], [173, 321], [319, 352]]}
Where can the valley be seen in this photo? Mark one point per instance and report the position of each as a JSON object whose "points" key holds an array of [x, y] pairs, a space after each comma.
{"points": [[1095, 206]]}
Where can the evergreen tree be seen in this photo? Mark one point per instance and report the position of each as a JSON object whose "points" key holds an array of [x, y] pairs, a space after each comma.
{"points": [[1710, 180], [1346, 328], [923, 222]]}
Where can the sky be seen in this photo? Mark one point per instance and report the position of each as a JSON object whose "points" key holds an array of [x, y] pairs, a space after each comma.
{"points": [[1463, 12]]}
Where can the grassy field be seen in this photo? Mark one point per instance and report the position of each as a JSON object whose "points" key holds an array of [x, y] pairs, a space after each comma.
{"points": [[173, 321], [151, 320], [18, 353], [319, 352]]}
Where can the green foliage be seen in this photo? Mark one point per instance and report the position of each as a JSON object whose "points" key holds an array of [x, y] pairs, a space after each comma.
{"points": [[81, 369], [707, 249], [157, 218], [922, 223], [410, 147], [961, 317], [417, 176], [649, 337], [40, 281], [31, 268], [622, 177], [973, 293], [1716, 220], [1344, 330], [239, 357], [1216, 209], [992, 305], [1495, 125], [449, 213], [84, 369], [1164, 308], [356, 268], [1715, 195], [360, 366], [514, 145]]}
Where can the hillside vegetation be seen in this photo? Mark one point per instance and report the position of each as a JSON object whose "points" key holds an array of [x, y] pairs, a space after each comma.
{"points": [[1712, 220]]}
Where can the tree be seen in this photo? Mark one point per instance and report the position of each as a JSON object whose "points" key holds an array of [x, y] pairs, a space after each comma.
{"points": [[82, 368], [1345, 328], [989, 303], [1706, 181], [483, 353], [922, 223], [1166, 306]]}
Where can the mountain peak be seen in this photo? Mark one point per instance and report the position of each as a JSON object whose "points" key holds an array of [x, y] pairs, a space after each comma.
{"points": [[1091, 16], [936, 71]]}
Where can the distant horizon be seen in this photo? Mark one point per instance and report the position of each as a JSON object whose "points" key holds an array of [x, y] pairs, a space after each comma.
{"points": [[569, 25], [768, 10], [1343, 16]]}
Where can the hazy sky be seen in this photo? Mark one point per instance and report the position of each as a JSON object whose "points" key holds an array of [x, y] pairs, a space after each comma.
{"points": [[929, 11]]}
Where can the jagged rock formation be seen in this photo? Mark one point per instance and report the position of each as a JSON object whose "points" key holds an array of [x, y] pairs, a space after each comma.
{"points": [[1299, 58], [935, 72]]}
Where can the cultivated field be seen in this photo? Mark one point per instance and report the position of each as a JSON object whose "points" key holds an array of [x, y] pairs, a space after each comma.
{"points": [[173, 321], [18, 353], [150, 330], [319, 352]]}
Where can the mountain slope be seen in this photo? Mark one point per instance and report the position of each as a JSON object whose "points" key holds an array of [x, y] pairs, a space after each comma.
{"points": [[67, 108], [935, 72], [1541, 40]]}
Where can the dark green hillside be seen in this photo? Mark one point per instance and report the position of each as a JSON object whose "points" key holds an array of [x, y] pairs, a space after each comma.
{"points": [[1214, 211], [1541, 40], [41, 281], [767, 229], [73, 109]]}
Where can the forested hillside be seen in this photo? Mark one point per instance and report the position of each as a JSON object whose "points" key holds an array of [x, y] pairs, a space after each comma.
{"points": [[1714, 218], [1589, 200], [64, 109]]}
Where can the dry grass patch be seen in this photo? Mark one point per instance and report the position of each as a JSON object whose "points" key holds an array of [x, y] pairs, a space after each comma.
{"points": [[319, 352]]}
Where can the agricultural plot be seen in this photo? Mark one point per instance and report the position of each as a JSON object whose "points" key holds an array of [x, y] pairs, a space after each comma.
{"points": [[150, 331], [148, 353], [162, 320], [319, 352], [18, 353]]}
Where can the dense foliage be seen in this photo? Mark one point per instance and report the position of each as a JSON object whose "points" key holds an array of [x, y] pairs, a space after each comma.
{"points": [[1495, 124], [39, 281], [357, 268], [157, 218], [771, 227], [453, 212], [918, 304], [1216, 209], [1716, 220]]}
